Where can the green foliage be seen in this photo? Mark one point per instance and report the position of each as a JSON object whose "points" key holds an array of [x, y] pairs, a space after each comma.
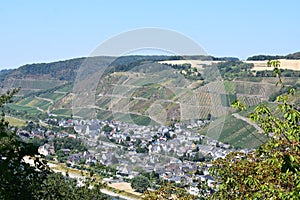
{"points": [[69, 143], [293, 56], [19, 179], [168, 191], [284, 73], [37, 141], [141, 149], [56, 186], [107, 129], [264, 57], [62, 70], [25, 174], [230, 70], [271, 171], [268, 57], [238, 105], [187, 71], [140, 183]]}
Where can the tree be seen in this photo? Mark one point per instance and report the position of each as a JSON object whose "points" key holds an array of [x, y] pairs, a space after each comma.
{"points": [[56, 186], [271, 171], [18, 178], [21, 180], [107, 128], [140, 183], [141, 149]]}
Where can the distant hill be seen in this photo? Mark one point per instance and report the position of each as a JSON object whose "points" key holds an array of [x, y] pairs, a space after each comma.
{"points": [[40, 76], [294, 56]]}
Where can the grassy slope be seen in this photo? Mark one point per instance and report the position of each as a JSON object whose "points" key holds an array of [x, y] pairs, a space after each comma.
{"points": [[41, 102], [235, 132], [15, 121]]}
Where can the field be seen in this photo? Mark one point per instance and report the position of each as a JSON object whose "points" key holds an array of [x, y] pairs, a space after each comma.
{"points": [[30, 110], [15, 121], [194, 63], [54, 102], [285, 64], [123, 186], [258, 65], [35, 102]]}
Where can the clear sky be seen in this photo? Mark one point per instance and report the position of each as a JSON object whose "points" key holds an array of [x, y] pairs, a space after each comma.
{"points": [[42, 31]]}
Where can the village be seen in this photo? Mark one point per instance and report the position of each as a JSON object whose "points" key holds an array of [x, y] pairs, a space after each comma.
{"points": [[176, 154]]}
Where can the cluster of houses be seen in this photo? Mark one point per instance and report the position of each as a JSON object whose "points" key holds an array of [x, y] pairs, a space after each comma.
{"points": [[153, 149], [42, 133], [48, 148], [120, 146]]}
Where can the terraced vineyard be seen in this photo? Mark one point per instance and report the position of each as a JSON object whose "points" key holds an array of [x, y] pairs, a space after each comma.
{"points": [[236, 132], [29, 110], [139, 94], [147, 95], [42, 103]]}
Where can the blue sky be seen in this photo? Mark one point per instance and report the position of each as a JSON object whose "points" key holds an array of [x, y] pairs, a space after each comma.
{"points": [[43, 31]]}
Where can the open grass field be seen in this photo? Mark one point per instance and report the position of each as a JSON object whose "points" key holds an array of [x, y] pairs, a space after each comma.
{"points": [[29, 110], [15, 121], [194, 63], [258, 65], [125, 187], [285, 64]]}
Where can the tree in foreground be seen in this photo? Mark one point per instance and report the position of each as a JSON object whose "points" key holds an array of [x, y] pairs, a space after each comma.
{"points": [[18, 178], [271, 171], [57, 186], [21, 180]]}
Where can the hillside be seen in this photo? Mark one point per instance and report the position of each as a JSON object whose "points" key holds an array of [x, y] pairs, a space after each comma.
{"points": [[43, 76], [144, 90]]}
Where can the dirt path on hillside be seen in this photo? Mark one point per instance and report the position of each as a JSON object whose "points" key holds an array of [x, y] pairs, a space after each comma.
{"points": [[238, 116], [46, 99]]}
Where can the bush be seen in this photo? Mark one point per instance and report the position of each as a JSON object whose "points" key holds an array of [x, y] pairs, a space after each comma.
{"points": [[140, 183]]}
